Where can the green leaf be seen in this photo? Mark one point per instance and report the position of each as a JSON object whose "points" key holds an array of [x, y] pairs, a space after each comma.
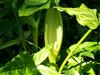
{"points": [[99, 18], [91, 72], [46, 70], [22, 64], [89, 46], [9, 43], [87, 54], [72, 71], [41, 55], [72, 62], [31, 6], [57, 1], [84, 15], [95, 47], [87, 68], [74, 65]]}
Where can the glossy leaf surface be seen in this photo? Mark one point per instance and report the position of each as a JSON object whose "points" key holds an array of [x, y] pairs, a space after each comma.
{"points": [[22, 64], [41, 55], [84, 15], [31, 6], [85, 46], [46, 70]]}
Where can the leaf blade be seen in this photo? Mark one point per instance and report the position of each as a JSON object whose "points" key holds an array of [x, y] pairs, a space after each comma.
{"points": [[46, 70], [41, 55], [22, 64], [84, 15]]}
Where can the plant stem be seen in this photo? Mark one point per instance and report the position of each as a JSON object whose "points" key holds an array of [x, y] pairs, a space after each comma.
{"points": [[21, 31], [34, 29], [71, 53]]}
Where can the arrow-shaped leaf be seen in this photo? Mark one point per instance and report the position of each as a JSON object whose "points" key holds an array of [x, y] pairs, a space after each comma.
{"points": [[84, 15]]}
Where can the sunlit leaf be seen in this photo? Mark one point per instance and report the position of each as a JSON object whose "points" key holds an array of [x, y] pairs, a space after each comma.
{"points": [[88, 68], [87, 54], [74, 65], [84, 15], [22, 64], [85, 46], [99, 18], [31, 6], [41, 55], [74, 61], [72, 71], [91, 72], [46, 70]]}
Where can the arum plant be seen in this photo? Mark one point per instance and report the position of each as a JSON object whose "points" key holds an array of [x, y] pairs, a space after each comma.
{"points": [[85, 17], [53, 33], [53, 39]]}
